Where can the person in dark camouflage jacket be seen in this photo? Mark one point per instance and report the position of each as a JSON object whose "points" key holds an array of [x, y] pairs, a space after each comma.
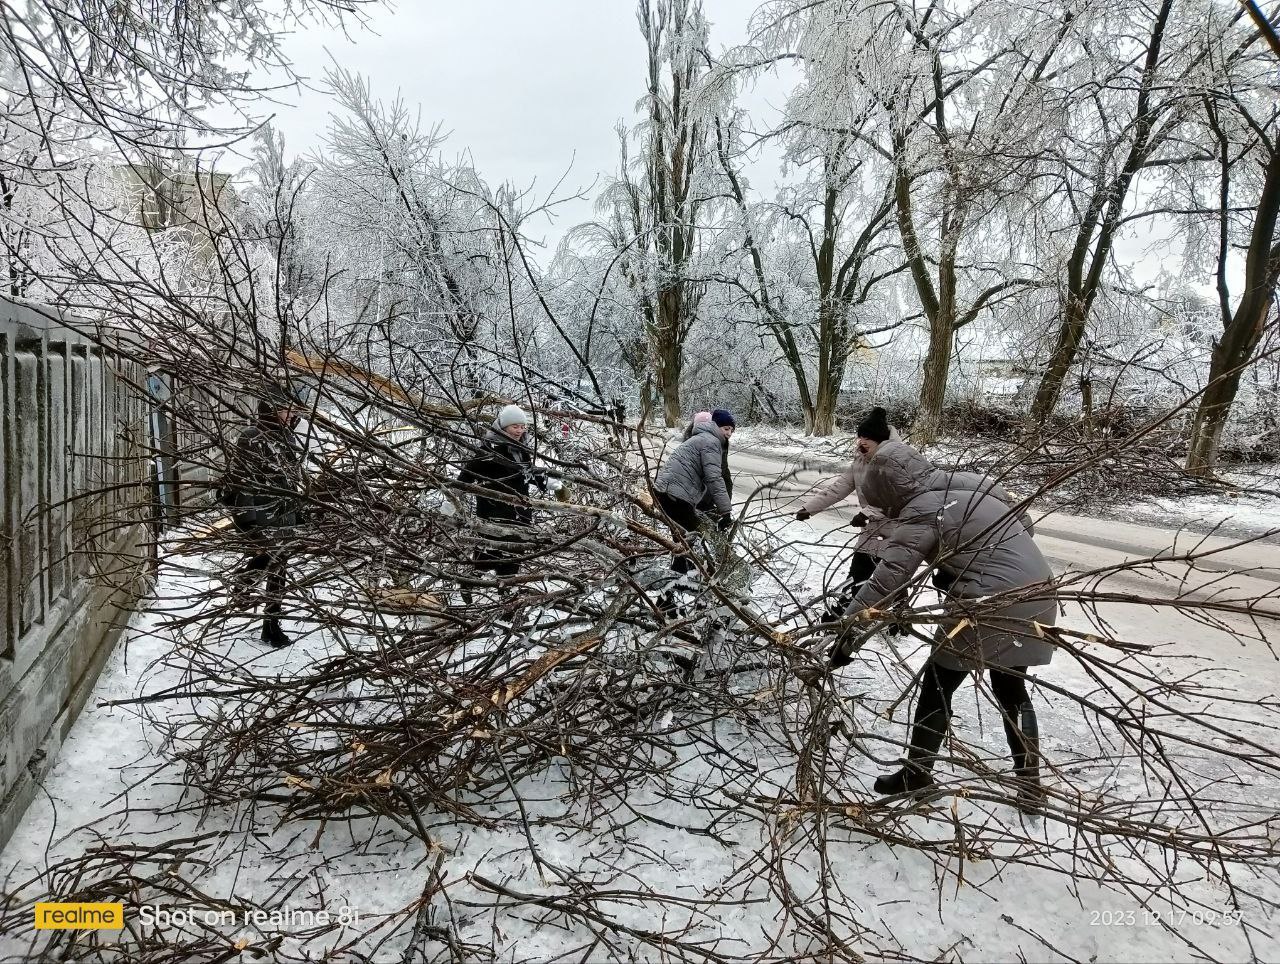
{"points": [[263, 486]]}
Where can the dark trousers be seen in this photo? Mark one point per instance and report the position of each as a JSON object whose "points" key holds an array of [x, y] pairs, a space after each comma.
{"points": [[683, 519], [267, 556], [498, 560], [933, 711], [861, 567]]}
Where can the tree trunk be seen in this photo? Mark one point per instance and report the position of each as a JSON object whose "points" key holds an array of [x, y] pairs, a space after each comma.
{"points": [[670, 355], [1064, 354], [671, 405], [941, 323], [827, 388], [942, 337], [933, 390], [1086, 403], [1211, 417], [824, 413], [1242, 334], [832, 355], [1230, 356]]}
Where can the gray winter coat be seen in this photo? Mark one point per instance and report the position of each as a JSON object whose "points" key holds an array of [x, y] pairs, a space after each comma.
{"points": [[694, 469], [878, 528], [958, 522]]}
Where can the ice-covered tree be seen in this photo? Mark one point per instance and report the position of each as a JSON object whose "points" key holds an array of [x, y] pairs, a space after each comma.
{"points": [[1119, 100], [1243, 119], [818, 251], [653, 210]]}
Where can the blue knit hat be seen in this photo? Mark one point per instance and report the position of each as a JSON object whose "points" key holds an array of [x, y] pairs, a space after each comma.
{"points": [[724, 418]]}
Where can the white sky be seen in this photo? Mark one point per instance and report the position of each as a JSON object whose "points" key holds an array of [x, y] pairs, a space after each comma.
{"points": [[531, 89]]}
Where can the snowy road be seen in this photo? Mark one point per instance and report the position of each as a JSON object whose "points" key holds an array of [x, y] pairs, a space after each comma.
{"points": [[1074, 543]]}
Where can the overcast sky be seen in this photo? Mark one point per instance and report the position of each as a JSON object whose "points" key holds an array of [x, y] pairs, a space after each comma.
{"points": [[531, 89], [534, 89]]}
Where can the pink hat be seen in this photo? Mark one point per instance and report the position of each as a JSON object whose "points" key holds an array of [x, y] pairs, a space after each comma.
{"points": [[702, 418]]}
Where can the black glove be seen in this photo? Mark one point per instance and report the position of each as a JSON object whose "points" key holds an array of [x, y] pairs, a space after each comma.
{"points": [[859, 520], [803, 515], [724, 521]]}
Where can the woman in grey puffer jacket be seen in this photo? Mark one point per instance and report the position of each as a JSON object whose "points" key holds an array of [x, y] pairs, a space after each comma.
{"points": [[708, 504], [694, 471], [960, 523]]}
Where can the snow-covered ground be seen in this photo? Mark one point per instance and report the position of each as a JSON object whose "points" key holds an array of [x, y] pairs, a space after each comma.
{"points": [[1249, 512], [718, 851]]}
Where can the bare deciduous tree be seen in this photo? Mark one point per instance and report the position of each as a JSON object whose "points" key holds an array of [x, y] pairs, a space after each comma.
{"points": [[836, 223], [657, 203], [1113, 128], [1247, 137], [963, 131]]}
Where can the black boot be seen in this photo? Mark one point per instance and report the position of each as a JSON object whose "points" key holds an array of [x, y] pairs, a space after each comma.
{"points": [[839, 655], [667, 605], [912, 778], [1023, 733], [273, 635]]}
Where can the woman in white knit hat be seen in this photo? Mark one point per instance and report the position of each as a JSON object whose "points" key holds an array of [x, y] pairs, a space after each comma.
{"points": [[503, 465]]}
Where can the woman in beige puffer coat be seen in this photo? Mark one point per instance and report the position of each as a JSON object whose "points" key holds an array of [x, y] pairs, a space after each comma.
{"points": [[876, 528]]}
